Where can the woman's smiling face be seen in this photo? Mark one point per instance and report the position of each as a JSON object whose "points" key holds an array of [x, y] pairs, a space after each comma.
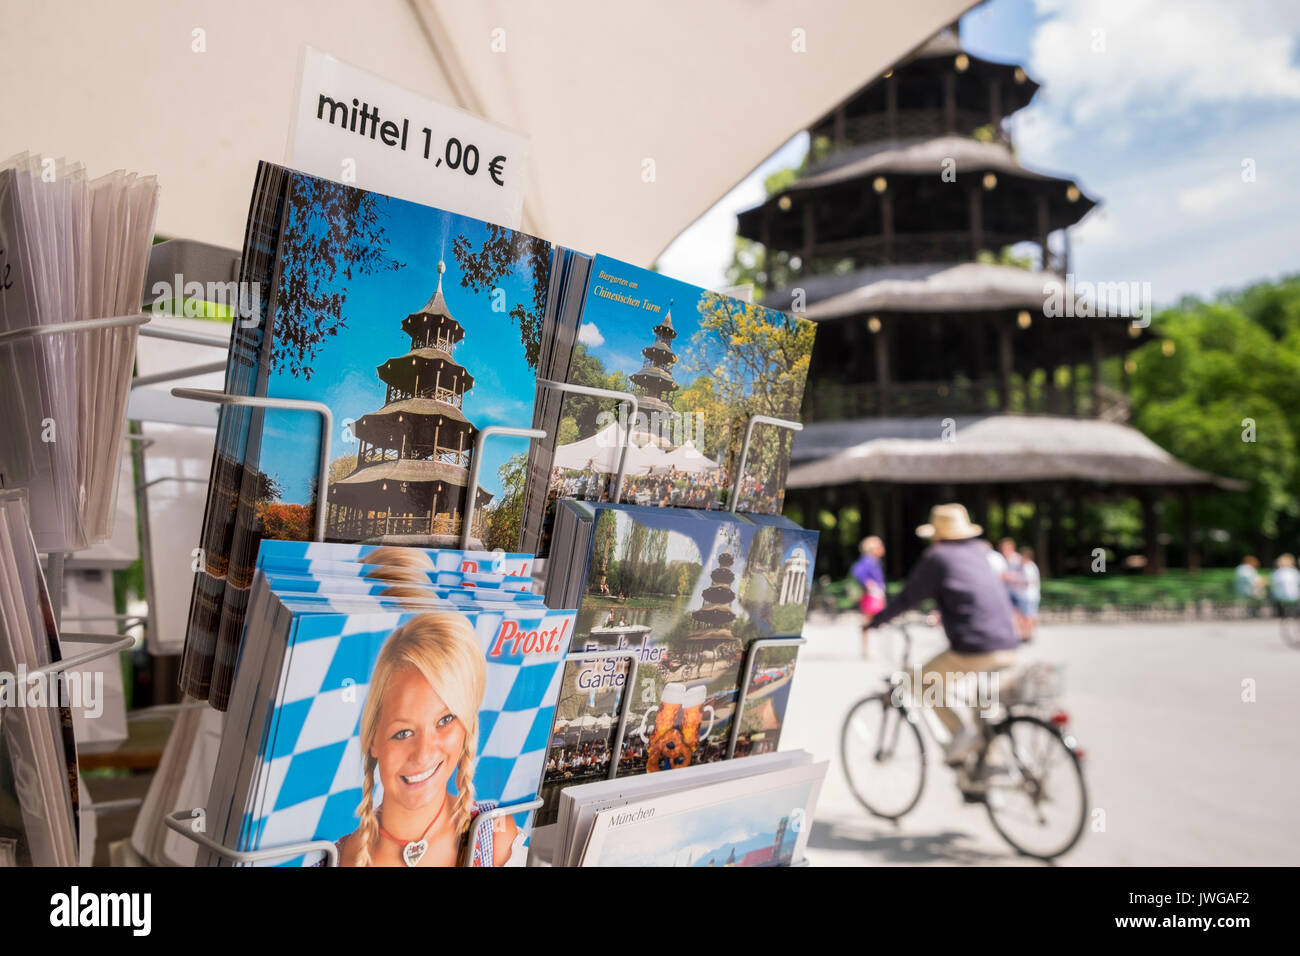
{"points": [[417, 741]]}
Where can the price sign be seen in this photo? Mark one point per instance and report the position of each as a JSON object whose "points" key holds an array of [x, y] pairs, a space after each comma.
{"points": [[353, 127]]}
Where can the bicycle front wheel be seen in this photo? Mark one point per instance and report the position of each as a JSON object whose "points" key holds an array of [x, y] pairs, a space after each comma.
{"points": [[884, 757], [1035, 795]]}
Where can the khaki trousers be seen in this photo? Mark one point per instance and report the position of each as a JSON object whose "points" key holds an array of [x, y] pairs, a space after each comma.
{"points": [[949, 663]]}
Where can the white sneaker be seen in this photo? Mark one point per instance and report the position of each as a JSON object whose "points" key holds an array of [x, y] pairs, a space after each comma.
{"points": [[963, 741]]}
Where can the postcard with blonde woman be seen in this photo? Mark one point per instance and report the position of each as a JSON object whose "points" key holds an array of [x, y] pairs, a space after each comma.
{"points": [[288, 554], [394, 735]]}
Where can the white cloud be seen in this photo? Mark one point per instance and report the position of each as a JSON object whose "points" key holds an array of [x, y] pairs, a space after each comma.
{"points": [[1191, 224], [1202, 199], [1124, 60], [589, 335]]}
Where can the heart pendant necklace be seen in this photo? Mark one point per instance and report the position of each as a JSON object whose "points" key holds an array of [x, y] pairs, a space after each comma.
{"points": [[413, 852]]}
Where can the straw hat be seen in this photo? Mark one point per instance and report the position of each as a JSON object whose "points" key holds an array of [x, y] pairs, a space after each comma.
{"points": [[949, 523]]}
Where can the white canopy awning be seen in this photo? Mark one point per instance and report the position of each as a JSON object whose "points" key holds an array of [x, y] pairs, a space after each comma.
{"points": [[599, 451], [688, 458], [704, 91]]}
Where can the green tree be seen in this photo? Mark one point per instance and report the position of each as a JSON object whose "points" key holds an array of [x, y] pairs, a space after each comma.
{"points": [[504, 520], [332, 232], [341, 467], [1219, 390], [604, 541], [503, 252], [758, 365], [567, 432]]}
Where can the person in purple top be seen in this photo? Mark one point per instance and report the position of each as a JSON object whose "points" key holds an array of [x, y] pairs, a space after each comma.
{"points": [[868, 572], [956, 574]]}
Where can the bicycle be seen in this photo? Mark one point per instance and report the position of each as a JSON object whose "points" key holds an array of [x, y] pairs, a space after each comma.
{"points": [[884, 757]]}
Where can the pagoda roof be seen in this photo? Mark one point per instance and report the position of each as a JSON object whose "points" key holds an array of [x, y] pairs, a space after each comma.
{"points": [[923, 156], [423, 407], [410, 470], [420, 319], [946, 42], [651, 371], [841, 190], [436, 306], [966, 287], [917, 72], [992, 449], [429, 355]]}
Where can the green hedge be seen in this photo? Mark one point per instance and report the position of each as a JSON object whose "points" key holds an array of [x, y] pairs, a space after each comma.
{"points": [[1172, 589]]}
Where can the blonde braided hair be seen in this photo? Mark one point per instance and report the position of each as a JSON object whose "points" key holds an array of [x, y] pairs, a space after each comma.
{"points": [[444, 648]]}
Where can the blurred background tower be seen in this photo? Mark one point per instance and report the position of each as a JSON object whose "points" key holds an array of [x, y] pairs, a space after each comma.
{"points": [[956, 358]]}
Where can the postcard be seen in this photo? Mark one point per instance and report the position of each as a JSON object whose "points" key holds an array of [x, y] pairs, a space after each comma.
{"points": [[761, 820]]}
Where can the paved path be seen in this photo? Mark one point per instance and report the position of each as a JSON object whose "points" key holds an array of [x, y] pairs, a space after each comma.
{"points": [[1185, 770]]}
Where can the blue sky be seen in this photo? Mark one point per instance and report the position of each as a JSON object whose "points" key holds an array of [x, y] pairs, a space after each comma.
{"points": [[1153, 106], [344, 369], [616, 332]]}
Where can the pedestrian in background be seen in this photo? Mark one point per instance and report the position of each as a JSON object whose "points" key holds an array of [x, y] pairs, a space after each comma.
{"points": [[1028, 593], [869, 573], [1247, 584], [1285, 586]]}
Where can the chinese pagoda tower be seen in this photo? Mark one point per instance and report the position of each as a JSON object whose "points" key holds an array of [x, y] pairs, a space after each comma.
{"points": [[413, 454], [654, 381], [944, 368], [715, 614]]}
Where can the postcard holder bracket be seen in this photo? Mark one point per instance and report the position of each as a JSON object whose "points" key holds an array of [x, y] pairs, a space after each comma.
{"points": [[191, 338], [744, 450], [471, 493], [178, 373], [111, 644], [180, 822], [747, 677], [634, 409], [496, 813], [80, 325], [286, 404]]}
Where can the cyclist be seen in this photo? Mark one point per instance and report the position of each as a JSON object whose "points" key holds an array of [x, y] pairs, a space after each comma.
{"points": [[955, 572]]}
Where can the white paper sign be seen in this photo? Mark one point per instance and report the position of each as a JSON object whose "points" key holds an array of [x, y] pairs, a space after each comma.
{"points": [[353, 127]]}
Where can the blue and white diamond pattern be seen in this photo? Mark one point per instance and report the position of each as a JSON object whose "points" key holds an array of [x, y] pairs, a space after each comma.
{"points": [[310, 782]]}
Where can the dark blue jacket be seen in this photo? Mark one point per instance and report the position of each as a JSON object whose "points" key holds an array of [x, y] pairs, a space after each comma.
{"points": [[972, 599]]}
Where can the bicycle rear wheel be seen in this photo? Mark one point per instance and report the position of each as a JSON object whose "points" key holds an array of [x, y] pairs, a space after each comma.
{"points": [[1036, 796], [883, 755]]}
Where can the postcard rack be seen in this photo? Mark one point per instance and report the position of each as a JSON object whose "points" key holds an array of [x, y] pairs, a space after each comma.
{"points": [[56, 560], [183, 822]]}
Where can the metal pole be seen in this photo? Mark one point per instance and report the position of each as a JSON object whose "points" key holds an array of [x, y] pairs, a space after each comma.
{"points": [[467, 520], [634, 408], [744, 450], [287, 404]]}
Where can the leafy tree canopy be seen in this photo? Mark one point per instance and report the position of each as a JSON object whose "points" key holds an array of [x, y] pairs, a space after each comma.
{"points": [[1224, 372]]}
